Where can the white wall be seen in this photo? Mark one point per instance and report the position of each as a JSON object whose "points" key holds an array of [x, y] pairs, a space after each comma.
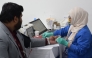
{"points": [[44, 9]]}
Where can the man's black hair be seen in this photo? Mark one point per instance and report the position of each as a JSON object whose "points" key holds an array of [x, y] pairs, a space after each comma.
{"points": [[9, 11]]}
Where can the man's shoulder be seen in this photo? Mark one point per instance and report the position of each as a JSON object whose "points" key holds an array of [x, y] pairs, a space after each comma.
{"points": [[2, 32], [3, 35]]}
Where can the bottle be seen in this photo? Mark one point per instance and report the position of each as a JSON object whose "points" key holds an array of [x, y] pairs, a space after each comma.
{"points": [[34, 18]]}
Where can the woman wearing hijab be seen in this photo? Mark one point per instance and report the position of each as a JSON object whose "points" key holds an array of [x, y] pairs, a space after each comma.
{"points": [[78, 36]]}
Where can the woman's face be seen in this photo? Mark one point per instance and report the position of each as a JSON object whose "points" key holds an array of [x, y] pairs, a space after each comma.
{"points": [[69, 19]]}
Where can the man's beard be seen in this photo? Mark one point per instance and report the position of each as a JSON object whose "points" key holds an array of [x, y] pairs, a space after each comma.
{"points": [[18, 25]]}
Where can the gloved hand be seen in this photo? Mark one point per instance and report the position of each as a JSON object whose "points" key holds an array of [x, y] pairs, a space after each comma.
{"points": [[47, 34], [62, 41]]}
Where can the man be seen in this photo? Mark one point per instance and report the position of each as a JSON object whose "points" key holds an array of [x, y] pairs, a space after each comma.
{"points": [[11, 41]]}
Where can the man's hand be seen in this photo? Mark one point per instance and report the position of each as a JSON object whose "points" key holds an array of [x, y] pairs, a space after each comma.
{"points": [[52, 39]]}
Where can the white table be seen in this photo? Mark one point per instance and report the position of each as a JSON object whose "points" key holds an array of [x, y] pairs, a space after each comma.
{"points": [[50, 51]]}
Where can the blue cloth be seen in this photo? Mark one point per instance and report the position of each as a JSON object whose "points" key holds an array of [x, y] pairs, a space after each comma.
{"points": [[81, 47]]}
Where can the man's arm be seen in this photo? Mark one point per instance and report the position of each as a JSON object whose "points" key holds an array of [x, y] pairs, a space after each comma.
{"points": [[34, 42], [37, 42]]}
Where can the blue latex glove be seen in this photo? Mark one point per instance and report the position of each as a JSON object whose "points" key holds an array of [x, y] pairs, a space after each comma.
{"points": [[62, 41], [47, 34]]}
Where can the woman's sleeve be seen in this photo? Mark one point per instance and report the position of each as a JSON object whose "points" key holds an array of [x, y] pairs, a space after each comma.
{"points": [[82, 45], [62, 32]]}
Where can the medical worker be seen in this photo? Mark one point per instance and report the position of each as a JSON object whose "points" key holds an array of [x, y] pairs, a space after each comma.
{"points": [[78, 40]]}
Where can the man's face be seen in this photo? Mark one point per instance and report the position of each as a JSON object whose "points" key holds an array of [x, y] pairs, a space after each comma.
{"points": [[18, 25]]}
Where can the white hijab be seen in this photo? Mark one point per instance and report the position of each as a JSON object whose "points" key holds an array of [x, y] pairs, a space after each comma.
{"points": [[79, 19]]}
